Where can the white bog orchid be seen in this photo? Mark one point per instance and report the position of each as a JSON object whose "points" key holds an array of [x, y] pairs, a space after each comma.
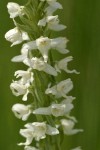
{"points": [[14, 9], [37, 131], [44, 44], [61, 89], [30, 148], [16, 36], [35, 22], [56, 109], [68, 126], [63, 65], [26, 76], [40, 65], [52, 23], [20, 89], [22, 111]]}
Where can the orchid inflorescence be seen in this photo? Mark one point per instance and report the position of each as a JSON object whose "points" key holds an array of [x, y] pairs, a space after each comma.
{"points": [[51, 103]]}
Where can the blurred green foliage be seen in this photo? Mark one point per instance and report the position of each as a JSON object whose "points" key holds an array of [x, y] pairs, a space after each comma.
{"points": [[83, 31]]}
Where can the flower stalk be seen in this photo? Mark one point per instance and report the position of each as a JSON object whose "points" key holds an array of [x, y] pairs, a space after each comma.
{"points": [[52, 104]]}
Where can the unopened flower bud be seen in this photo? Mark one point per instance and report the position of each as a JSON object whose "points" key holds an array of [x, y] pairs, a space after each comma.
{"points": [[21, 111], [14, 9]]}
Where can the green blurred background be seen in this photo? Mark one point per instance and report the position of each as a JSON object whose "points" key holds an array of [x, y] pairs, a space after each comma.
{"points": [[83, 31]]}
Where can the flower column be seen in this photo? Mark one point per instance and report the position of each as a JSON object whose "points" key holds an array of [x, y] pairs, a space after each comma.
{"points": [[52, 104]]}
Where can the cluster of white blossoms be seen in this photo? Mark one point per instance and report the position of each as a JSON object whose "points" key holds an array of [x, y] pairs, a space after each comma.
{"points": [[51, 103]]}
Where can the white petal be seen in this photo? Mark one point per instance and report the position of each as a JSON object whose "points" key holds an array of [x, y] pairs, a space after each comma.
{"points": [[17, 42], [44, 45], [27, 133], [50, 70], [28, 62], [63, 65], [74, 131], [63, 51], [52, 130], [57, 27], [68, 126], [25, 96], [29, 46], [69, 99], [28, 141], [19, 58], [43, 111], [42, 22], [53, 6], [58, 109], [51, 90], [60, 44], [65, 87], [25, 36], [13, 9]]}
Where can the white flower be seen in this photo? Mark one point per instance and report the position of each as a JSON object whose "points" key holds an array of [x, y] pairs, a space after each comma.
{"points": [[63, 65], [52, 23], [68, 126], [44, 44], [30, 148], [14, 9], [61, 109], [53, 6], [77, 148], [20, 89], [16, 36], [56, 109], [60, 44], [22, 111], [26, 76], [40, 65], [38, 131], [61, 89]]}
